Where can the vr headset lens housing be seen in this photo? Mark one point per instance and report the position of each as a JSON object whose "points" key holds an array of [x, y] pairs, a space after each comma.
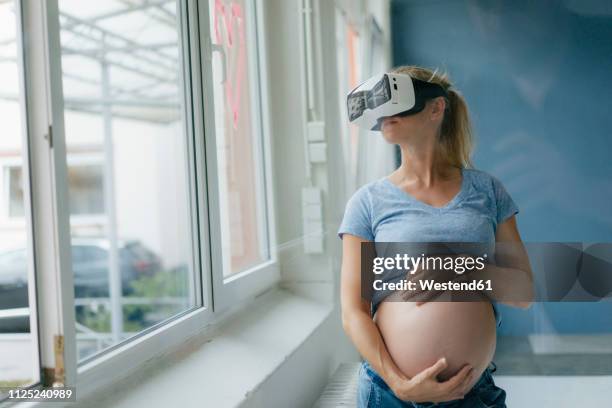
{"points": [[359, 101], [356, 104], [381, 93], [389, 95]]}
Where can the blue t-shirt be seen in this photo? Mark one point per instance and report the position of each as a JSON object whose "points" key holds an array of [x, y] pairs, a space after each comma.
{"points": [[380, 211]]}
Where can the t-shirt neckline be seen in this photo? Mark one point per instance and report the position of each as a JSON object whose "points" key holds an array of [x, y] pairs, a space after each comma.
{"points": [[453, 201]]}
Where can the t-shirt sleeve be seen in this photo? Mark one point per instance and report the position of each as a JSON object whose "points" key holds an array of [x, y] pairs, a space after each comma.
{"points": [[357, 216], [506, 207]]}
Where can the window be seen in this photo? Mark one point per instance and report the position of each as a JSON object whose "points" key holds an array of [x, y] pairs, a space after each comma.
{"points": [[19, 360], [133, 203], [239, 139], [85, 184], [86, 189], [348, 42], [14, 193], [133, 256]]}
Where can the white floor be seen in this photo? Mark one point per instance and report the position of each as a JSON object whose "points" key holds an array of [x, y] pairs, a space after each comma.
{"points": [[556, 392]]}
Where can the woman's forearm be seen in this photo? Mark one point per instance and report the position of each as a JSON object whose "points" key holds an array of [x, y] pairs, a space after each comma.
{"points": [[366, 337], [509, 285]]}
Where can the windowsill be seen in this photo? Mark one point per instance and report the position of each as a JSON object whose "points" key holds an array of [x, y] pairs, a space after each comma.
{"points": [[228, 365]]}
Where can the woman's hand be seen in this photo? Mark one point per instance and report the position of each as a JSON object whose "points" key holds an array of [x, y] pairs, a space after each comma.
{"points": [[424, 387]]}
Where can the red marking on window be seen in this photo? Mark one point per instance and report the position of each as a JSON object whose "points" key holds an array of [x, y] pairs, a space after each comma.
{"points": [[352, 38], [233, 86]]}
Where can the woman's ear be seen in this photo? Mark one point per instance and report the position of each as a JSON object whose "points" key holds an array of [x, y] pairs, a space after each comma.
{"points": [[437, 106]]}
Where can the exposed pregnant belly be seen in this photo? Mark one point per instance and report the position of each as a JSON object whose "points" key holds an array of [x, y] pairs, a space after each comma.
{"points": [[416, 337]]}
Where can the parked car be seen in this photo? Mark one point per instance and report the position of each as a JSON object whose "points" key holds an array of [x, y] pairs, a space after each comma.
{"points": [[90, 266], [13, 279]]}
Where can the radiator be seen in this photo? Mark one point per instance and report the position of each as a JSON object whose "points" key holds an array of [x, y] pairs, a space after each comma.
{"points": [[341, 391]]}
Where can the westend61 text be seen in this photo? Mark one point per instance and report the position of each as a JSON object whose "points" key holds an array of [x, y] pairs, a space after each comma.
{"points": [[429, 284]]}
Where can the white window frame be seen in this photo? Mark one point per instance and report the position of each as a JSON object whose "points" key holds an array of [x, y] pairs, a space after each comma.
{"points": [[52, 242], [255, 280], [28, 220], [100, 369], [46, 110]]}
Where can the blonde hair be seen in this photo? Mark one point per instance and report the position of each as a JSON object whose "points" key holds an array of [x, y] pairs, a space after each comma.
{"points": [[456, 136]]}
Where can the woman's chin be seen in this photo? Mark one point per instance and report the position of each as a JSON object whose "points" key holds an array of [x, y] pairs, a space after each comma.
{"points": [[395, 135], [391, 136]]}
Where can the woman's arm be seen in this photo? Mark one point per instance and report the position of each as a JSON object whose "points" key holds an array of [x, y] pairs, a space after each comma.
{"points": [[512, 276], [363, 332]]}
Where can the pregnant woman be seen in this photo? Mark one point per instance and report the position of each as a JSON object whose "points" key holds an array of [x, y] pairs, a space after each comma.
{"points": [[423, 354]]}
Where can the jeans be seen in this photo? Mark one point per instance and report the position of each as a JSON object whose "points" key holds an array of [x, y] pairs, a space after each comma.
{"points": [[373, 392]]}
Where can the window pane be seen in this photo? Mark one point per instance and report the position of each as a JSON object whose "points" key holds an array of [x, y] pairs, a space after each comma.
{"points": [[350, 73], [18, 353], [86, 189], [128, 168], [238, 135], [15, 188]]}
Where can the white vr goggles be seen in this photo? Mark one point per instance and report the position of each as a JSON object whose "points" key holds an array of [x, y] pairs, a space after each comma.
{"points": [[389, 94]]}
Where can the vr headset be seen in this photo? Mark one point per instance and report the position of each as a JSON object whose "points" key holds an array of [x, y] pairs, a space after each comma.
{"points": [[389, 94]]}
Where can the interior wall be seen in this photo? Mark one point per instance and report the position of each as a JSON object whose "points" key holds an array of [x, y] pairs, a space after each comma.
{"points": [[318, 272], [536, 78], [316, 275]]}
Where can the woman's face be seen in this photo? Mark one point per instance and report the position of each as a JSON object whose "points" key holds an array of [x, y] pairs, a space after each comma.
{"points": [[416, 127]]}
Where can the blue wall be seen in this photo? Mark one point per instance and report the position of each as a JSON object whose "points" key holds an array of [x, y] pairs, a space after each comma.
{"points": [[537, 79]]}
